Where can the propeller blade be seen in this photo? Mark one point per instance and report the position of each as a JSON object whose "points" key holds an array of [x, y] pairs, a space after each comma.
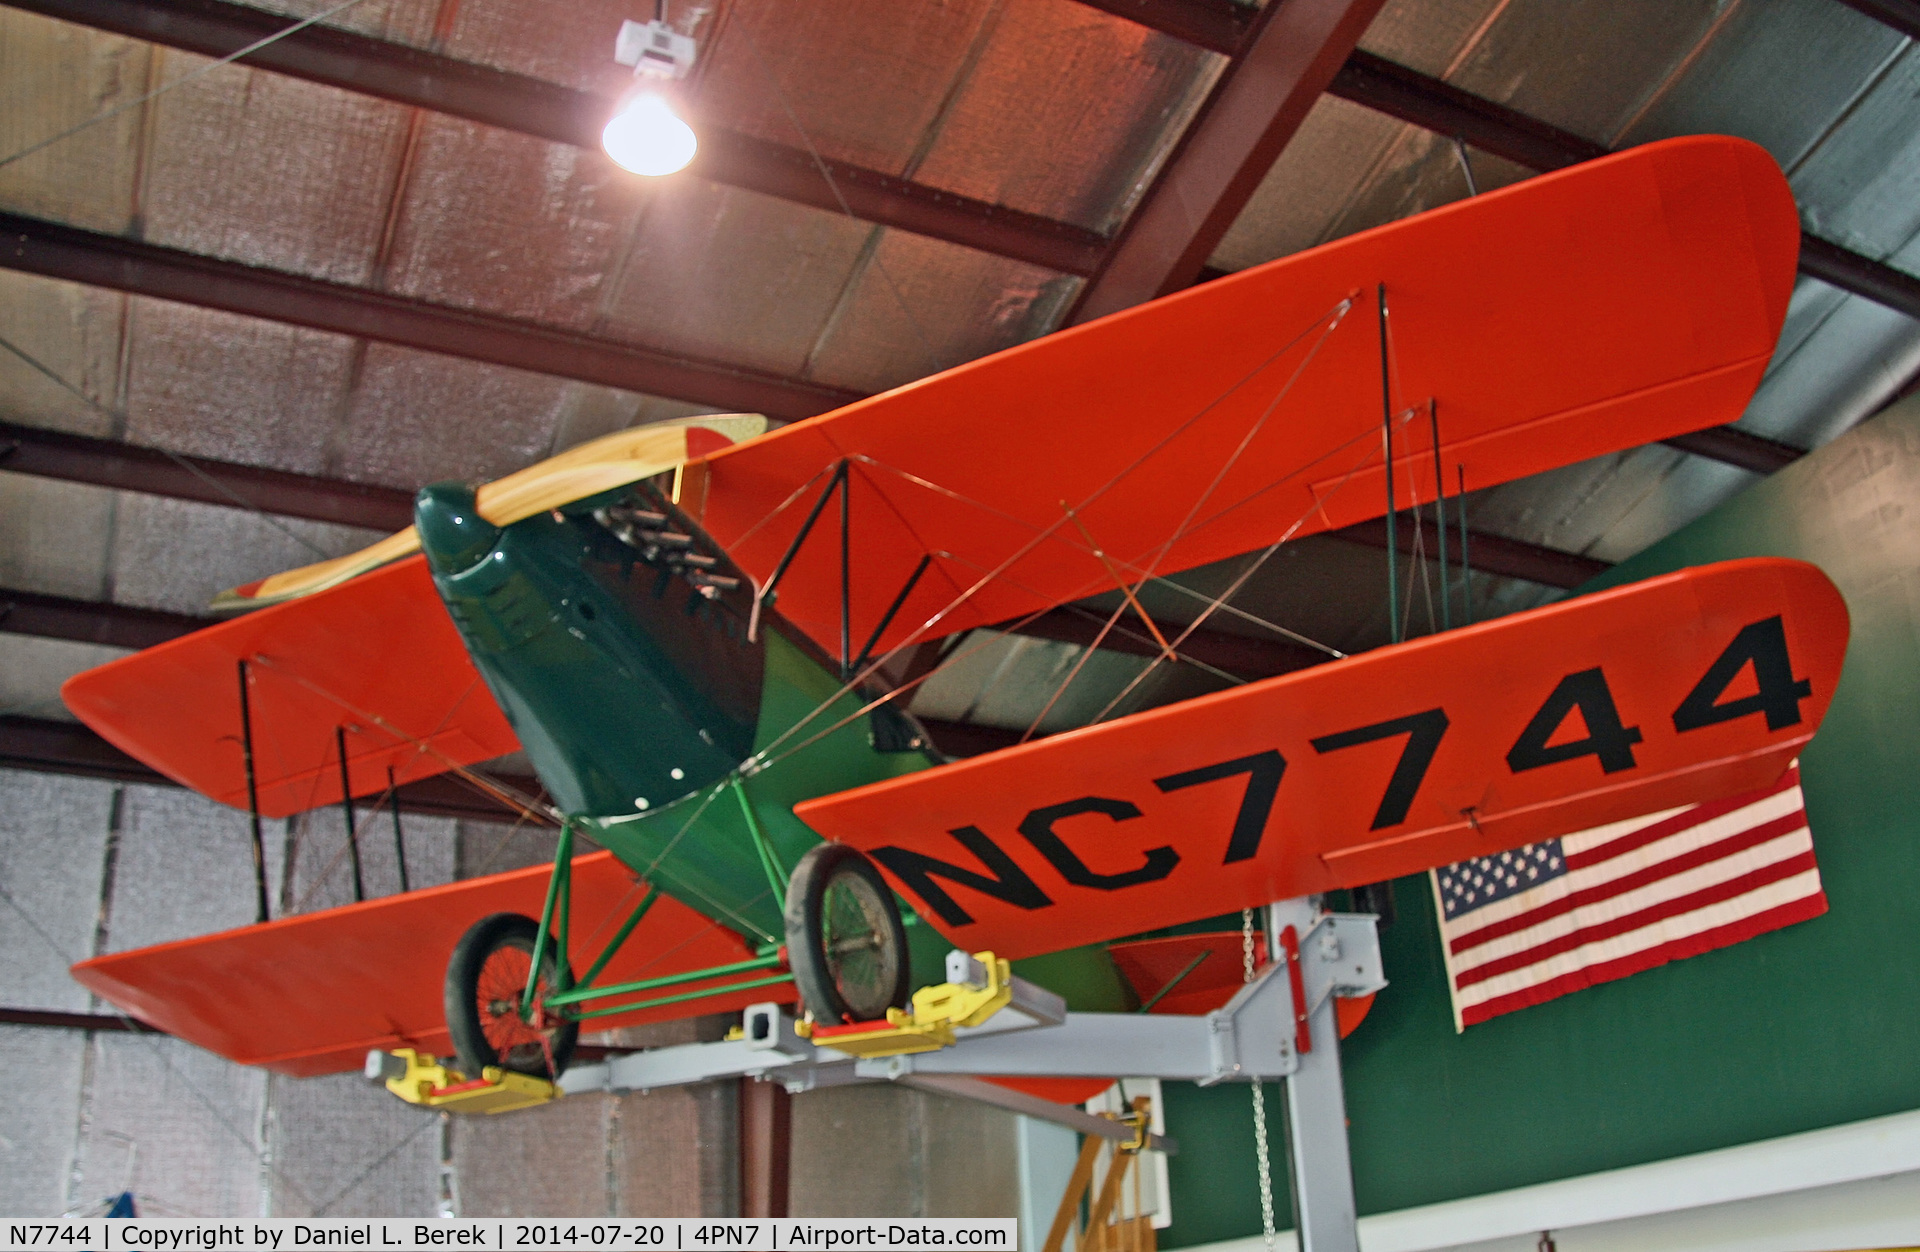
{"points": [[602, 464]]}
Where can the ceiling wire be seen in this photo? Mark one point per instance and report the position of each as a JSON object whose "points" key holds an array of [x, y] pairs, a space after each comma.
{"points": [[820, 164], [239, 501], [182, 81]]}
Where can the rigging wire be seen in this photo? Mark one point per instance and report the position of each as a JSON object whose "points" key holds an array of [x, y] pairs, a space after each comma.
{"points": [[1247, 574], [1042, 534], [1339, 314]]}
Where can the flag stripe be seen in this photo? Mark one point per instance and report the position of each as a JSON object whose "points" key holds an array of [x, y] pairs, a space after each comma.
{"points": [[1685, 858], [1774, 851], [1602, 951], [1614, 927], [1760, 806], [1787, 914], [1528, 925], [1581, 858]]}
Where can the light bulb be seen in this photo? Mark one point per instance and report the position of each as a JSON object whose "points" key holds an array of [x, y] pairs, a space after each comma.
{"points": [[647, 137]]}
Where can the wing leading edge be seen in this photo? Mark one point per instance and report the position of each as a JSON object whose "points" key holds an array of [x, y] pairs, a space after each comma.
{"points": [[312, 994]]}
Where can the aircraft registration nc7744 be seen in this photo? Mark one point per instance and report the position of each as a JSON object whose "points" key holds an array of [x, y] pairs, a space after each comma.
{"points": [[689, 630]]}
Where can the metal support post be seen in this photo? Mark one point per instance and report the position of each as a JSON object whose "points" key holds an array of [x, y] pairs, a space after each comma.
{"points": [[399, 835], [766, 1147], [1319, 1168]]}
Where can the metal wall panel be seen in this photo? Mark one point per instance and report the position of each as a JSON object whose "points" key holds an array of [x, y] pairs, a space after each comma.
{"points": [[552, 1160], [269, 170], [403, 21], [344, 1147], [178, 554], [675, 1152], [185, 868], [206, 383], [1065, 111], [43, 1120], [725, 274], [420, 418], [884, 1151], [55, 537], [32, 669], [72, 332], [321, 867], [499, 221], [858, 80], [915, 306], [53, 852], [59, 76], [177, 1126]]}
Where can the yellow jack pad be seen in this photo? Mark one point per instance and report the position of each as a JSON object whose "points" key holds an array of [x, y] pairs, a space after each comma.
{"points": [[419, 1078], [929, 1025]]}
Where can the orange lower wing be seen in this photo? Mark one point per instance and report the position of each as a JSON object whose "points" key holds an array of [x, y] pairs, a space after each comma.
{"points": [[1609, 305], [377, 656], [313, 994], [1683, 688]]}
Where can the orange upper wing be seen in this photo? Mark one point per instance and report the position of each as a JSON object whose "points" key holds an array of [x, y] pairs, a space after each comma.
{"points": [[377, 656], [313, 994], [1606, 306]]}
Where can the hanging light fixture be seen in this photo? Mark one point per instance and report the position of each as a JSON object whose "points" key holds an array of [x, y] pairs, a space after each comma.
{"points": [[646, 135]]}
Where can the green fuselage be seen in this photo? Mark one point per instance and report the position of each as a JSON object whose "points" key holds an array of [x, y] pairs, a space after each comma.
{"points": [[624, 664]]}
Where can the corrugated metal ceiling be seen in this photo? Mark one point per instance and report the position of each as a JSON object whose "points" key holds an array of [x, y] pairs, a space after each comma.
{"points": [[1047, 106]]}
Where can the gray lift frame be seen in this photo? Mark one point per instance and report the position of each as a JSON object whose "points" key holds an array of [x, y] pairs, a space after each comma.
{"points": [[1250, 1037]]}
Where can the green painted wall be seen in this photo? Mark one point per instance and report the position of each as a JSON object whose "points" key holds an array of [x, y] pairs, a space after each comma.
{"points": [[1810, 1026]]}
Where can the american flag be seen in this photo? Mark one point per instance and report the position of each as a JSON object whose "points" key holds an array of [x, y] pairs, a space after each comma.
{"points": [[1523, 927]]}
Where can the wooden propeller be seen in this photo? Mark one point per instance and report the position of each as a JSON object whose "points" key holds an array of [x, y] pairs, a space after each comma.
{"points": [[595, 466]]}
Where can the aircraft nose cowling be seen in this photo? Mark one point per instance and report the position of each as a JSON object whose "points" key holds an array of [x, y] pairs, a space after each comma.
{"points": [[452, 533]]}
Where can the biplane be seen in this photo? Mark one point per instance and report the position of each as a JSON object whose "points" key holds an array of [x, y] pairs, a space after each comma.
{"points": [[694, 630]]}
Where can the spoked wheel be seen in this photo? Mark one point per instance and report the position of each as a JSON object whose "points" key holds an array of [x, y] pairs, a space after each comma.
{"points": [[485, 981], [845, 941]]}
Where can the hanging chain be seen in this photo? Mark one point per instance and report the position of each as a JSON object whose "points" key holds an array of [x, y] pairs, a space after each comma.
{"points": [[1260, 1151]]}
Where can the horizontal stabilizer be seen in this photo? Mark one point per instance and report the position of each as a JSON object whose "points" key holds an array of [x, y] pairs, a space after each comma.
{"points": [[312, 994]]}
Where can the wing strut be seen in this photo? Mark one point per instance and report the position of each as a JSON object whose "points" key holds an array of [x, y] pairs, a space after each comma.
{"points": [[253, 796]]}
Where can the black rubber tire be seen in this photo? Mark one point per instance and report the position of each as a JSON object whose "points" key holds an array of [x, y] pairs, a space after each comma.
{"points": [[826, 979], [465, 1023]]}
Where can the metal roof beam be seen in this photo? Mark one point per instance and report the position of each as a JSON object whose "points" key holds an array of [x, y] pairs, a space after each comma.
{"points": [[1237, 654], [1290, 54], [1733, 446], [108, 463], [1902, 15], [76, 1021], [1490, 554], [129, 467], [55, 251], [1216, 25], [1427, 102], [90, 621], [49, 747], [545, 110]]}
